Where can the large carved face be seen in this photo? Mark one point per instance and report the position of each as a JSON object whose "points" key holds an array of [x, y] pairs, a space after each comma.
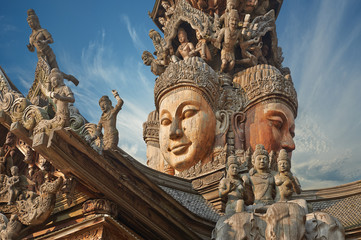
{"points": [[272, 125], [187, 128]]}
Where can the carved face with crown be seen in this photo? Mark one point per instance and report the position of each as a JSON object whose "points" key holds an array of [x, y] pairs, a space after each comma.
{"points": [[186, 113], [271, 108]]}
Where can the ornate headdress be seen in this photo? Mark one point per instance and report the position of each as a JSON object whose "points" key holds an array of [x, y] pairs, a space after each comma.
{"points": [[263, 82], [192, 73], [283, 156], [232, 159], [151, 129], [260, 150], [32, 14]]}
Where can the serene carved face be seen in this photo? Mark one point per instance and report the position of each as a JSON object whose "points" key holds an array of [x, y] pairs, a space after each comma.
{"points": [[261, 162], [187, 128], [272, 125], [283, 166], [56, 80], [33, 23], [105, 106], [182, 36], [233, 170]]}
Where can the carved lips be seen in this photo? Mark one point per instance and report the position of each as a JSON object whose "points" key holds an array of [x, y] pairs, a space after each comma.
{"points": [[179, 148]]}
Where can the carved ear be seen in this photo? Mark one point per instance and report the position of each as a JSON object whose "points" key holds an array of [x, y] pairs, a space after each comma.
{"points": [[222, 126], [238, 120]]}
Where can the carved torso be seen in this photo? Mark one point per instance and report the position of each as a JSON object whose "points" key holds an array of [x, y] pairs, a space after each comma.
{"points": [[263, 187]]}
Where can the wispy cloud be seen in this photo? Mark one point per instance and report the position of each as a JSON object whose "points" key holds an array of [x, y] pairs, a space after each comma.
{"points": [[325, 72], [137, 42], [99, 71]]}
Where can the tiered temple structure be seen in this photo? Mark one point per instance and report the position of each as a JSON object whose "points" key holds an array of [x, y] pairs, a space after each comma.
{"points": [[219, 142]]}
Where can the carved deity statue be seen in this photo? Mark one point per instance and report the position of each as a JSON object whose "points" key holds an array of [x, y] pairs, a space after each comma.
{"points": [[186, 106], [186, 48], [286, 183], [61, 95], [40, 39], [231, 187], [262, 180], [230, 36], [202, 48], [108, 120], [13, 185]]}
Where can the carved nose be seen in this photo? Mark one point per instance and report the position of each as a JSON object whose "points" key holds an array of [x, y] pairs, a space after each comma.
{"points": [[175, 131], [288, 143]]}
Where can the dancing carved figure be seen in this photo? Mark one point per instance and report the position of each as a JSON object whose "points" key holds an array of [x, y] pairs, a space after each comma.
{"points": [[286, 183], [231, 187], [40, 39], [61, 96], [12, 185], [230, 36], [108, 120]]}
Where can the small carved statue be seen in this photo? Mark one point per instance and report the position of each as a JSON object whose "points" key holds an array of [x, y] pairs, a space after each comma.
{"points": [[108, 120], [202, 48], [232, 188], [261, 177], [7, 153], [12, 185], [286, 183], [40, 39], [230, 36], [168, 9], [186, 48], [61, 96], [231, 4]]}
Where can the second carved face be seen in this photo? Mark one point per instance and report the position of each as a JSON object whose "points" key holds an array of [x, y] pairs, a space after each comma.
{"points": [[187, 124]]}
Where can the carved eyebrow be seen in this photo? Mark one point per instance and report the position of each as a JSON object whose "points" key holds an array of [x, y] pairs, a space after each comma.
{"points": [[187, 103], [276, 113]]}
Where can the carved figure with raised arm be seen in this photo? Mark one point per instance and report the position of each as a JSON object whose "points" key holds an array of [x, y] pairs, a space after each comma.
{"points": [[40, 39], [108, 120]]}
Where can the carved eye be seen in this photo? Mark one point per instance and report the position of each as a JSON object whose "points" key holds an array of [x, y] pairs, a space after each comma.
{"points": [[165, 121], [189, 113], [276, 121]]}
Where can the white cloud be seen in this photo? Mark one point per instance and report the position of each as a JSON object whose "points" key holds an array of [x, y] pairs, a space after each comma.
{"points": [[326, 75], [137, 42]]}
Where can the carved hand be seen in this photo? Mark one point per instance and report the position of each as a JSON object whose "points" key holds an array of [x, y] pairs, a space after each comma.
{"points": [[30, 47]]}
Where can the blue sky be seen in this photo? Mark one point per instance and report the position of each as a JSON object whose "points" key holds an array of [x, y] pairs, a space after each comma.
{"points": [[101, 44]]}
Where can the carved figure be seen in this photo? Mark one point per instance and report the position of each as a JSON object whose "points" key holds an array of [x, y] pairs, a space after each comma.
{"points": [[108, 120], [168, 9], [37, 208], [230, 36], [231, 4], [286, 183], [186, 95], [7, 153], [202, 48], [40, 39], [186, 48], [12, 228], [161, 50], [61, 96], [231, 187], [14, 185], [261, 178]]}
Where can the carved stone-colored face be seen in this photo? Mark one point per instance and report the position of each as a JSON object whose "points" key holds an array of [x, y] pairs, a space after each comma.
{"points": [[105, 106], [182, 36], [33, 22], [187, 128], [233, 170], [283, 166], [272, 125], [261, 162], [56, 80]]}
